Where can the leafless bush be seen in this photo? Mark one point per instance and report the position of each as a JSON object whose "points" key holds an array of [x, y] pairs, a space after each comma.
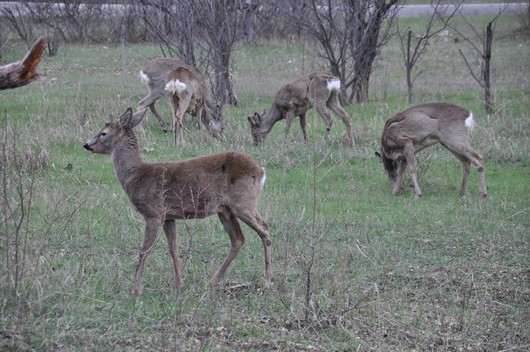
{"points": [[73, 21], [21, 225], [14, 17], [18, 182]]}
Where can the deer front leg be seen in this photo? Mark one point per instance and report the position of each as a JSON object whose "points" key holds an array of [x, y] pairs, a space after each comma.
{"points": [[288, 119], [151, 230], [334, 104], [303, 125], [409, 151], [237, 240], [402, 166], [327, 121]]}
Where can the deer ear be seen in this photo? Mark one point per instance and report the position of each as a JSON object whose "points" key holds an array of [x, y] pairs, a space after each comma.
{"points": [[137, 117], [124, 121]]}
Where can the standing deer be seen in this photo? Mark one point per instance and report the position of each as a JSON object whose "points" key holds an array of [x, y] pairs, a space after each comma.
{"points": [[227, 184], [421, 126], [187, 93], [155, 73], [318, 90]]}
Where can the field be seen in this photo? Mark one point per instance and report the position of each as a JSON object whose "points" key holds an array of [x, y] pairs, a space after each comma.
{"points": [[355, 269]]}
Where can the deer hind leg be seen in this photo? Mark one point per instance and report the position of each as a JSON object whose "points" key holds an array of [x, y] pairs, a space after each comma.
{"points": [[149, 101], [254, 220], [179, 106], [321, 109], [467, 155], [171, 235], [198, 116], [334, 104], [237, 240], [151, 230]]}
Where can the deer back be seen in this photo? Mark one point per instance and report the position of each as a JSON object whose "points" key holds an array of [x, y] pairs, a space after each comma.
{"points": [[424, 125], [195, 188]]}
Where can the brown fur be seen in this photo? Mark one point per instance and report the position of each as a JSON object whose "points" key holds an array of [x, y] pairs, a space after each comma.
{"points": [[157, 71], [414, 129], [227, 184], [190, 100], [295, 99]]}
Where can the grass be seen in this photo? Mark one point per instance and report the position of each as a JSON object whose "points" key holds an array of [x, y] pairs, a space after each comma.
{"points": [[387, 273]]}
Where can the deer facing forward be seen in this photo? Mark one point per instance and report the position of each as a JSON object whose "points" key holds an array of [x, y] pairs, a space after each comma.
{"points": [[319, 90], [227, 184], [421, 126]]}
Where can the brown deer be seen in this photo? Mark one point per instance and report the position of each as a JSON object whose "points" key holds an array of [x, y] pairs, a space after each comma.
{"points": [[187, 93], [227, 184], [421, 126], [319, 90], [155, 73]]}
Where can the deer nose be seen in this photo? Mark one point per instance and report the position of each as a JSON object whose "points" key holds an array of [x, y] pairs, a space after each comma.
{"points": [[87, 147]]}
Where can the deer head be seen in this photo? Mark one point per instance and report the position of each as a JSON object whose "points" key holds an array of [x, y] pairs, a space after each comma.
{"points": [[258, 135], [114, 130]]}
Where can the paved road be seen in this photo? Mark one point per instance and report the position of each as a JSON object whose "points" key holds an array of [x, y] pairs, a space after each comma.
{"points": [[404, 11], [466, 9]]}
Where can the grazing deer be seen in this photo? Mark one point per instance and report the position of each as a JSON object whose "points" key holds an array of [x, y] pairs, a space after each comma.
{"points": [[318, 90], [187, 93], [421, 126], [227, 184], [155, 73]]}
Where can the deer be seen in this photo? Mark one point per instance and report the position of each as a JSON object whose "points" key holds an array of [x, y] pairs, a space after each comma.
{"points": [[187, 93], [155, 73], [421, 126], [319, 90], [228, 184]]}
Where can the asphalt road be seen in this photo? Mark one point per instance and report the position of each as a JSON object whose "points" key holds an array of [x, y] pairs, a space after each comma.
{"points": [[465, 9]]}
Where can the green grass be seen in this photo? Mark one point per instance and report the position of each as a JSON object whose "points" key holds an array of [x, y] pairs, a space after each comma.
{"points": [[389, 273]]}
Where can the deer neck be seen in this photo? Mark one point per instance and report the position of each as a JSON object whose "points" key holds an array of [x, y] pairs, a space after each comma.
{"points": [[270, 118], [126, 158]]}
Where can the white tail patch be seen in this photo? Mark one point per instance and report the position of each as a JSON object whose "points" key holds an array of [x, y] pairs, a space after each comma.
{"points": [[263, 178], [334, 84], [175, 85], [469, 122], [144, 77]]}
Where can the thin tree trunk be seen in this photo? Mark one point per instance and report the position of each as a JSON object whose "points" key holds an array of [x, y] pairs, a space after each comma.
{"points": [[488, 94]]}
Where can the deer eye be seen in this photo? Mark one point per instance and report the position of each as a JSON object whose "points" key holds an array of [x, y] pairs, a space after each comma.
{"points": [[103, 134]]}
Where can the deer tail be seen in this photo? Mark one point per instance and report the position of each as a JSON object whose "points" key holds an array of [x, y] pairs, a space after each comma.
{"points": [[334, 84], [469, 122], [175, 85], [263, 178]]}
